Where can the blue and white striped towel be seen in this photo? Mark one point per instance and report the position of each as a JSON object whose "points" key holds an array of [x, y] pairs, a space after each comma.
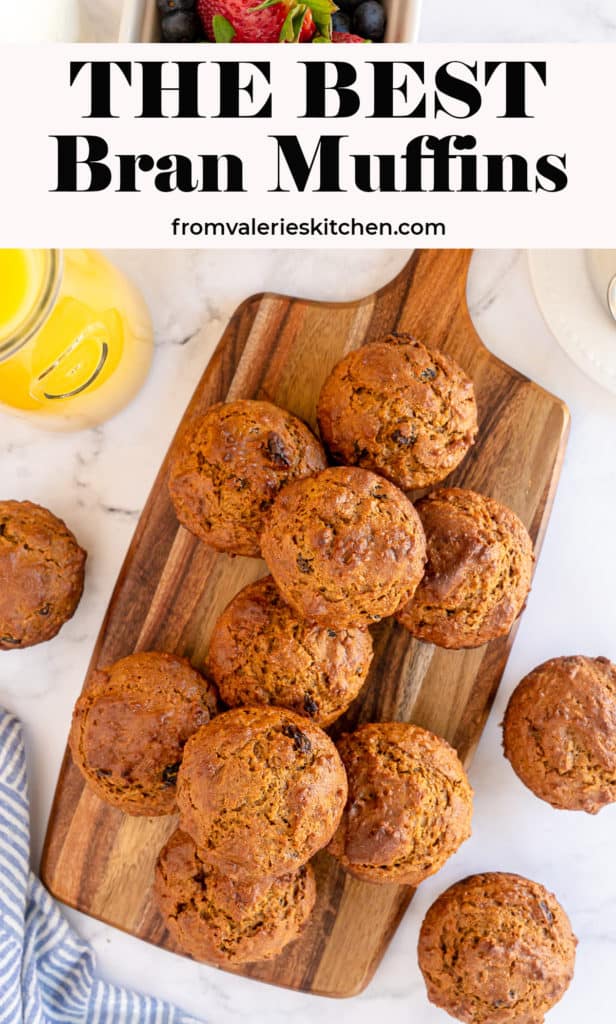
{"points": [[46, 971]]}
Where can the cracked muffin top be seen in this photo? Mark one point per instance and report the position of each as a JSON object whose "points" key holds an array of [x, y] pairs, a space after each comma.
{"points": [[409, 806], [345, 547], [262, 653], [231, 464], [559, 732], [260, 790], [42, 572], [130, 726], [478, 573], [496, 949], [400, 409], [221, 920]]}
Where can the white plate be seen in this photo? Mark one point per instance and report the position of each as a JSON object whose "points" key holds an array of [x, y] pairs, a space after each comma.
{"points": [[140, 21], [570, 286]]}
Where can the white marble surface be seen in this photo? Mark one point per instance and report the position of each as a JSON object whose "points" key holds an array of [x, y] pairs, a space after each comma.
{"points": [[98, 481], [453, 21]]}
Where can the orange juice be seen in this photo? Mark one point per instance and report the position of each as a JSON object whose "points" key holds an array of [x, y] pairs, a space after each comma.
{"points": [[75, 337]]}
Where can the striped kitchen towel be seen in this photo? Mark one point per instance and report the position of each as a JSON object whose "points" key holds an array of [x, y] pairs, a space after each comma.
{"points": [[46, 970]]}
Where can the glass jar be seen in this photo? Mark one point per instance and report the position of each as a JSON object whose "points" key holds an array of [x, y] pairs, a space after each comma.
{"points": [[75, 337]]}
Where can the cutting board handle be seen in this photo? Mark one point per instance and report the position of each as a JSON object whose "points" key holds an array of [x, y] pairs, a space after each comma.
{"points": [[429, 294]]}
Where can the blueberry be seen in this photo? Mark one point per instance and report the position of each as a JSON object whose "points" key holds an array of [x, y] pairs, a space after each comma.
{"points": [[369, 20], [179, 27], [348, 6], [341, 22], [169, 6]]}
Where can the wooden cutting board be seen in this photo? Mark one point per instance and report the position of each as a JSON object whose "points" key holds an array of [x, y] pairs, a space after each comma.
{"points": [[171, 590]]}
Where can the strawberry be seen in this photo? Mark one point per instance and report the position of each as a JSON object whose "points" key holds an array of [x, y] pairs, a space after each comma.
{"points": [[272, 21], [347, 37]]}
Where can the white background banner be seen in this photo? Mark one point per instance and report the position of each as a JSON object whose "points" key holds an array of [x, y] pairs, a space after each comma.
{"points": [[435, 167]]}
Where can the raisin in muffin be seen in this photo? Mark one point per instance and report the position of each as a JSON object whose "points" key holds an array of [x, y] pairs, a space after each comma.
{"points": [[409, 806], [345, 547], [478, 573], [496, 949], [130, 726], [229, 467], [559, 732], [395, 407], [260, 790], [224, 921], [42, 571], [262, 653]]}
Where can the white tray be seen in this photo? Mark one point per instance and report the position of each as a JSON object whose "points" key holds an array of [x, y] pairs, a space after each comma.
{"points": [[570, 286], [140, 21]]}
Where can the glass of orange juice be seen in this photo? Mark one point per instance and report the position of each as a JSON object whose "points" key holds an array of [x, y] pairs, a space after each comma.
{"points": [[75, 337]]}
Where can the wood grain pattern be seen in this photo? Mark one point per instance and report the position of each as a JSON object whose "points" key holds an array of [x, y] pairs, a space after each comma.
{"points": [[171, 590]]}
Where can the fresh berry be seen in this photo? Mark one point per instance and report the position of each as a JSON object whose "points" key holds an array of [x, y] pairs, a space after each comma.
{"points": [[341, 22], [369, 20], [270, 21], [348, 6], [179, 27], [346, 37], [170, 6]]}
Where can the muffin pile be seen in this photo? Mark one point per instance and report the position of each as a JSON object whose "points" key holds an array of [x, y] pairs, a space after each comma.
{"points": [[261, 788], [239, 751], [235, 748]]}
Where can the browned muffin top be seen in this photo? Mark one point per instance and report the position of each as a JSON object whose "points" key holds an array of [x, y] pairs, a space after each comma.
{"points": [[224, 921], [345, 547], [400, 409], [230, 466], [260, 790], [262, 653], [409, 806], [560, 732], [496, 949], [42, 571], [478, 573], [130, 726]]}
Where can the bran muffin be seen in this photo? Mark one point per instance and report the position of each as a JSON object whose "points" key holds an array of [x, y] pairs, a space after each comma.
{"points": [[224, 921], [345, 547], [42, 572], [478, 573], [130, 726], [398, 408], [559, 732], [496, 949], [262, 653], [409, 806], [230, 466], [260, 790]]}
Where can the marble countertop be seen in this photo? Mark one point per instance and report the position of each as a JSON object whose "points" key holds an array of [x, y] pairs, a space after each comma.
{"points": [[98, 480], [446, 21]]}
